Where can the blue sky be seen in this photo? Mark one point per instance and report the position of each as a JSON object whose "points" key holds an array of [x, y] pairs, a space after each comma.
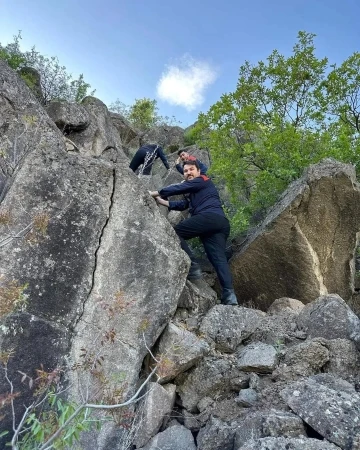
{"points": [[185, 54]]}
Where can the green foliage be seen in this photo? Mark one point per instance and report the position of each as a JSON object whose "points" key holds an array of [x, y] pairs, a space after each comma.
{"points": [[56, 83], [11, 53], [286, 113], [172, 148], [190, 136], [143, 114], [40, 427]]}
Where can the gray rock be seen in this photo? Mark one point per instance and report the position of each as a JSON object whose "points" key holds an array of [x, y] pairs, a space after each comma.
{"points": [[254, 381], [198, 297], [164, 135], [308, 239], [34, 77], [157, 405], [179, 349], [331, 318], [100, 134], [111, 436], [216, 435], [242, 381], [247, 398], [194, 422], [132, 294], [334, 414], [68, 117], [211, 377], [228, 327], [285, 304], [176, 437], [280, 443], [126, 131], [205, 403], [303, 360], [344, 359], [278, 330], [257, 357], [88, 270], [333, 382], [272, 423], [22, 121]]}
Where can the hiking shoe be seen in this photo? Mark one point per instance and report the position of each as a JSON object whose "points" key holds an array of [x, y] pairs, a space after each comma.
{"points": [[194, 272], [228, 297]]}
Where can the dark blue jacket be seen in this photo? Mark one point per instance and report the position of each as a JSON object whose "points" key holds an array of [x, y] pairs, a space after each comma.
{"points": [[159, 153], [202, 197], [203, 168]]}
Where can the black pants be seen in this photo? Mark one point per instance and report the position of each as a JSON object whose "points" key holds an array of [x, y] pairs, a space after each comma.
{"points": [[139, 158], [213, 231]]}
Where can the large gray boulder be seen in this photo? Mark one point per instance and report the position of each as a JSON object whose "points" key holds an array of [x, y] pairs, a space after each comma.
{"points": [[216, 435], [305, 247], [68, 116], [285, 305], [278, 330], [344, 359], [100, 135], [272, 423], [281, 443], [165, 135], [24, 125], [229, 326], [126, 131], [331, 318], [209, 378], [157, 404], [197, 297], [333, 413], [257, 357], [307, 358], [131, 293], [81, 259], [176, 437], [179, 350]]}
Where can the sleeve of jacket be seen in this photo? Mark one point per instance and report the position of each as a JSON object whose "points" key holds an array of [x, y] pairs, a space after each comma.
{"points": [[179, 168], [178, 205], [163, 157], [203, 168], [183, 188]]}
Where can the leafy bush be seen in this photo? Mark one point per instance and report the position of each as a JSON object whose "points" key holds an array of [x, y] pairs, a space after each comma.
{"points": [[143, 114], [172, 148], [190, 136], [55, 82], [286, 113]]}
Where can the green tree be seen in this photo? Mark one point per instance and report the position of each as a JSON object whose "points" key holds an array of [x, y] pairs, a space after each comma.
{"points": [[285, 114], [11, 53], [56, 83], [143, 114]]}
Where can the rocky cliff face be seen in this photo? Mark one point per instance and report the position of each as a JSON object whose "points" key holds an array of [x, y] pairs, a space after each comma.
{"points": [[305, 247], [93, 291]]}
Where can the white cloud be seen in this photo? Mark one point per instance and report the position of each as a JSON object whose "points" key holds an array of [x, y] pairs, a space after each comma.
{"points": [[184, 82]]}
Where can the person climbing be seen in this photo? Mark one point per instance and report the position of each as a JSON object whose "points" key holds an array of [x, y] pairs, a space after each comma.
{"points": [[184, 156], [207, 221], [146, 156]]}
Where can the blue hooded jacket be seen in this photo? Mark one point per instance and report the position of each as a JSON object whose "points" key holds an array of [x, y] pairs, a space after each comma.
{"points": [[202, 198]]}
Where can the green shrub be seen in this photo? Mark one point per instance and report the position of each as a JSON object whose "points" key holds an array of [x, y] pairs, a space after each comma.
{"points": [[285, 114], [54, 80]]}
